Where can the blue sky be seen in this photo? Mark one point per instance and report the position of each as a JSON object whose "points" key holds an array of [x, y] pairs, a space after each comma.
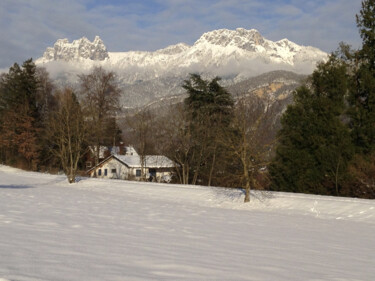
{"points": [[28, 27]]}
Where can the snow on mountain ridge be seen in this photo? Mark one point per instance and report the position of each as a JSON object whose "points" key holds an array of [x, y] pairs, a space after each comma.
{"points": [[240, 37], [212, 48], [78, 49], [234, 55]]}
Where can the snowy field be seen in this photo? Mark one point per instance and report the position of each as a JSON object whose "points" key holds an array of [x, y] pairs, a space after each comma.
{"points": [[119, 230]]}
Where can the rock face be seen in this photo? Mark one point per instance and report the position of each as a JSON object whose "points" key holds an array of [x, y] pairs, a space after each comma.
{"points": [[78, 49], [250, 43], [216, 48], [234, 55]]}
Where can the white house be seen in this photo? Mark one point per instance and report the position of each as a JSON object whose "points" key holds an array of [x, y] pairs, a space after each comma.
{"points": [[105, 151], [156, 167]]}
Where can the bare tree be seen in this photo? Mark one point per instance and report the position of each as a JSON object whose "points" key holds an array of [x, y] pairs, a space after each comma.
{"points": [[45, 98], [173, 132], [66, 132], [140, 135], [101, 95], [249, 141]]}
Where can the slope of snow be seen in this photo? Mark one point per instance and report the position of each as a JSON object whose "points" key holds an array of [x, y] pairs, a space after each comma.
{"points": [[121, 230]]}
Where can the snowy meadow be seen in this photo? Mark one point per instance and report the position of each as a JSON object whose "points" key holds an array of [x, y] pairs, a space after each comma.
{"points": [[122, 230]]}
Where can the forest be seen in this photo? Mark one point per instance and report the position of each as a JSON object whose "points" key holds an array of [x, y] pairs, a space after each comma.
{"points": [[325, 145]]}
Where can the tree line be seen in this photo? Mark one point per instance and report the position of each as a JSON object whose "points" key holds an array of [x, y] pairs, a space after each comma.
{"points": [[215, 139], [327, 141], [44, 127], [211, 137]]}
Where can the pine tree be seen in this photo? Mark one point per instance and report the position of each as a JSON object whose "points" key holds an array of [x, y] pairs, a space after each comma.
{"points": [[366, 25], [362, 99], [314, 143], [19, 115], [210, 110], [360, 182]]}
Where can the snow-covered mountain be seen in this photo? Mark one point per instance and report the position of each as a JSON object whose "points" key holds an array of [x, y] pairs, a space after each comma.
{"points": [[235, 55], [78, 49]]}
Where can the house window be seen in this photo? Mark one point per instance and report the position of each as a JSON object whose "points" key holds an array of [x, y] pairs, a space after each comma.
{"points": [[88, 164], [99, 172], [105, 172], [137, 173], [113, 171]]}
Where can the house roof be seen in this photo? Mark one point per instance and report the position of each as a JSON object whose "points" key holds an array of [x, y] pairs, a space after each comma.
{"points": [[151, 161], [134, 161]]}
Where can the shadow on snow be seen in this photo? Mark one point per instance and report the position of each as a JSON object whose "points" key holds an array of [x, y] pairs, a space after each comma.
{"points": [[13, 186]]}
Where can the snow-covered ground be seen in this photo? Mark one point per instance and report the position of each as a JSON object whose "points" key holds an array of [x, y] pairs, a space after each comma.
{"points": [[120, 230]]}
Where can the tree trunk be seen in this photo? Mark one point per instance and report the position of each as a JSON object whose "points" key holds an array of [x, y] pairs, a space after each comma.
{"points": [[246, 175], [212, 166], [197, 167], [71, 179], [247, 191], [337, 176]]}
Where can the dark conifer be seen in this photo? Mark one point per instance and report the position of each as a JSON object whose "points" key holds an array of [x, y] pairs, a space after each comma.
{"points": [[362, 99], [210, 109], [315, 144], [19, 115]]}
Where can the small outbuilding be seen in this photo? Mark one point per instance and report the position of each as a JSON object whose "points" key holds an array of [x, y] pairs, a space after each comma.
{"points": [[129, 167]]}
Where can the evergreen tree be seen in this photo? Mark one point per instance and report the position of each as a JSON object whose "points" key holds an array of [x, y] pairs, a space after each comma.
{"points": [[314, 143], [360, 181], [210, 110], [366, 25], [362, 99], [19, 115]]}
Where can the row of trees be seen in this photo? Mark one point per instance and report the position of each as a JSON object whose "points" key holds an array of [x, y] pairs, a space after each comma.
{"points": [[209, 138], [25, 100], [213, 138], [41, 126], [327, 140]]}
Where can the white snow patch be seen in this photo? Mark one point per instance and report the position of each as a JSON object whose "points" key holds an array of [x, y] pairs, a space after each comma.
{"points": [[122, 230]]}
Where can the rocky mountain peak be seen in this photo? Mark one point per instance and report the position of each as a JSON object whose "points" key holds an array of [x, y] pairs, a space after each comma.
{"points": [[241, 38], [234, 55], [174, 49], [81, 48]]}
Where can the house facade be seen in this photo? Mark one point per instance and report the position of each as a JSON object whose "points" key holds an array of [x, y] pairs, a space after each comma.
{"points": [[128, 167]]}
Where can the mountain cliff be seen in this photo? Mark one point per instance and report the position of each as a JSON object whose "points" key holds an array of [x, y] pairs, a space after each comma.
{"points": [[82, 48], [234, 55]]}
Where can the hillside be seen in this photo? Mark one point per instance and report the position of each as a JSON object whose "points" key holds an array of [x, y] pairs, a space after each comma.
{"points": [[121, 230]]}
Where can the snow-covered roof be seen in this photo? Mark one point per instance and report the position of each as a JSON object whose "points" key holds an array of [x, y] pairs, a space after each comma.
{"points": [[151, 161]]}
